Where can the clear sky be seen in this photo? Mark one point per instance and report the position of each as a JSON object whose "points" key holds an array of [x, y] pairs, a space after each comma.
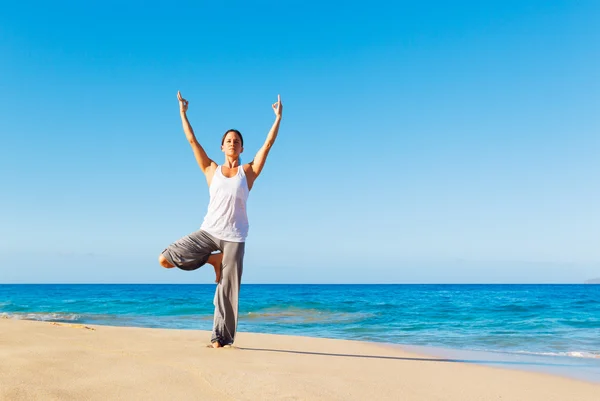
{"points": [[422, 142]]}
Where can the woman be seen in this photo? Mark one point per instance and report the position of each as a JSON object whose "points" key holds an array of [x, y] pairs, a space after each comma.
{"points": [[225, 225]]}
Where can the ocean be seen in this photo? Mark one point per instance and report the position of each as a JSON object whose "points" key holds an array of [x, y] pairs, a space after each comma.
{"points": [[558, 323]]}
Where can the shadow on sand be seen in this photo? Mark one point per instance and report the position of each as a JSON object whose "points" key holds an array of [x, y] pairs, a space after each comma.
{"points": [[400, 358]]}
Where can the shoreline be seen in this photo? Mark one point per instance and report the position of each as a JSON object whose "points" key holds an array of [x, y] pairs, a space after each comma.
{"points": [[578, 368], [44, 360]]}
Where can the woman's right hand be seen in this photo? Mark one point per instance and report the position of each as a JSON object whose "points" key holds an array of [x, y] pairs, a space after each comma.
{"points": [[183, 104]]}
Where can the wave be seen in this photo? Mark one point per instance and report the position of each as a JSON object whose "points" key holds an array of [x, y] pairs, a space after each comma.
{"points": [[299, 315], [584, 324], [572, 354], [44, 317]]}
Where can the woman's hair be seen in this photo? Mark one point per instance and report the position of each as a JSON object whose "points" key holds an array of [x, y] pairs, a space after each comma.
{"points": [[238, 133]]}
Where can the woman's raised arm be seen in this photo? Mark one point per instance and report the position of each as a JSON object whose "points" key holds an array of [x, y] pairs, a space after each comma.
{"points": [[258, 163], [206, 164]]}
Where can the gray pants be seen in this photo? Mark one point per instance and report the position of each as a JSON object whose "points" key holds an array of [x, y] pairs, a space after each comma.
{"points": [[191, 252]]}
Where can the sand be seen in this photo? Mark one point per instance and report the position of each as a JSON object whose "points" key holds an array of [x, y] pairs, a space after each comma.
{"points": [[46, 361]]}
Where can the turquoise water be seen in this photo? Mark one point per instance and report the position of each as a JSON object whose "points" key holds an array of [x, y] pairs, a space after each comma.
{"points": [[552, 320]]}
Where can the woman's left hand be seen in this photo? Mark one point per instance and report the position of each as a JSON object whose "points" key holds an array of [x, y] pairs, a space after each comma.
{"points": [[278, 107]]}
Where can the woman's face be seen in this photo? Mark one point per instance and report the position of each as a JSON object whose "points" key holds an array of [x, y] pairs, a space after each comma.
{"points": [[232, 145]]}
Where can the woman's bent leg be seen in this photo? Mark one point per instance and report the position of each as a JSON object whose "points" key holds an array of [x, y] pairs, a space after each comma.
{"points": [[189, 252], [215, 260]]}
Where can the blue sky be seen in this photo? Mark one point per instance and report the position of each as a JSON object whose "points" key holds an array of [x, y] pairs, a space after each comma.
{"points": [[422, 142]]}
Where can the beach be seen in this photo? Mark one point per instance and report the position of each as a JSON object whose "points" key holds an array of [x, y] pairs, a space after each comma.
{"points": [[64, 361]]}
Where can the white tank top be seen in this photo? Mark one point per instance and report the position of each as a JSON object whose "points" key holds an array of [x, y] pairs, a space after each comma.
{"points": [[226, 218]]}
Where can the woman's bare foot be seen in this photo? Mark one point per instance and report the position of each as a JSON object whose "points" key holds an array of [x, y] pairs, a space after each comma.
{"points": [[217, 344], [215, 260]]}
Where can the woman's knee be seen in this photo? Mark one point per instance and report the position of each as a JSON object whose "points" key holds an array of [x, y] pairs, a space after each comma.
{"points": [[164, 262]]}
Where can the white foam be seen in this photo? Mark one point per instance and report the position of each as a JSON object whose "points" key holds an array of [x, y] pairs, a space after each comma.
{"points": [[573, 354], [44, 317]]}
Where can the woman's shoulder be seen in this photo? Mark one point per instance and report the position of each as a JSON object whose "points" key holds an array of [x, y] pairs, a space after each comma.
{"points": [[248, 171]]}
